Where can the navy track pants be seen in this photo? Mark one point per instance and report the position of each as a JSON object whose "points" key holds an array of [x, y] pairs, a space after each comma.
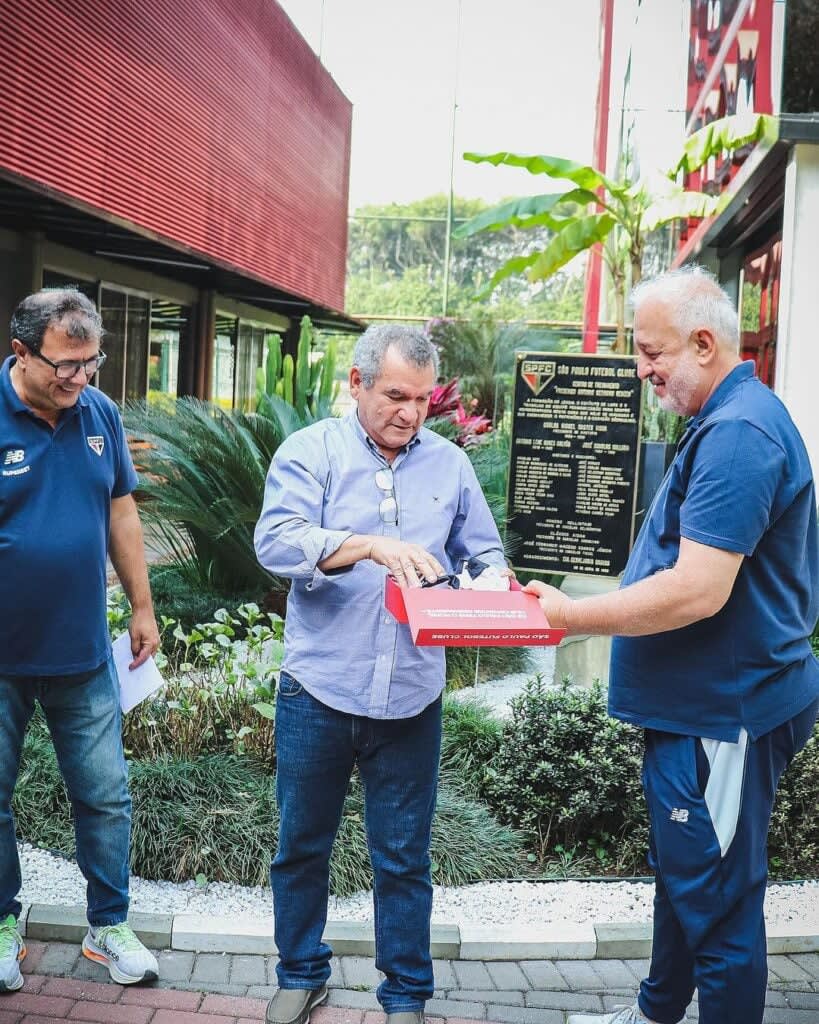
{"points": [[710, 807]]}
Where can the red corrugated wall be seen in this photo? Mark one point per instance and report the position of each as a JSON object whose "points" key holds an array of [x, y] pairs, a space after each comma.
{"points": [[209, 123]]}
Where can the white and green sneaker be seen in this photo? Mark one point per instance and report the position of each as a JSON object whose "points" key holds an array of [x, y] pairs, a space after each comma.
{"points": [[117, 948], [12, 951]]}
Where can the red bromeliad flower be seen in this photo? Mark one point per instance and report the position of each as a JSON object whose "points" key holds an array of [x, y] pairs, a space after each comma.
{"points": [[445, 400]]}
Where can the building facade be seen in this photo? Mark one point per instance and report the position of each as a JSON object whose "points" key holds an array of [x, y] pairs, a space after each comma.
{"points": [[185, 163]]}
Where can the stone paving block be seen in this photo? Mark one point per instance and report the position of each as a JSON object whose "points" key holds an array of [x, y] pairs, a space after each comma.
{"points": [[472, 974], [577, 1002], [203, 933], [161, 999], [72, 988], [456, 1008], [614, 974], [561, 940], [88, 970], [526, 1015], [803, 1001], [211, 967], [578, 974], [34, 983], [34, 952], [332, 1015], [221, 988], [56, 924], [809, 962], [623, 941], [31, 1003], [639, 968], [105, 1013], [246, 969], [233, 1006], [58, 958], [336, 972], [443, 974], [353, 1000], [774, 998], [184, 1017], [359, 971], [175, 965], [501, 996], [263, 992], [543, 975], [507, 975], [786, 969], [9, 1017], [785, 1015]]}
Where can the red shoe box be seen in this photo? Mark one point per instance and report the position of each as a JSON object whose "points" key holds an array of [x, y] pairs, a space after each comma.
{"points": [[443, 617]]}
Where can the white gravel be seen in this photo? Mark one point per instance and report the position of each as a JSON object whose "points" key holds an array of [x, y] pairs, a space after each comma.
{"points": [[53, 880]]}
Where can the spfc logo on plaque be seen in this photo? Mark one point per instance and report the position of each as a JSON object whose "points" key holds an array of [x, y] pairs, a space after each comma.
{"points": [[537, 373]]}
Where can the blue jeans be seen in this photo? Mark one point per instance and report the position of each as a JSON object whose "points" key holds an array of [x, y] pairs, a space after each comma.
{"points": [[316, 749], [84, 719]]}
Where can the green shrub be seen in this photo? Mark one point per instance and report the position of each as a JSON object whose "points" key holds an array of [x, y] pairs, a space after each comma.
{"points": [[568, 776], [469, 744], [219, 691], [217, 816], [178, 597], [493, 663], [793, 842]]}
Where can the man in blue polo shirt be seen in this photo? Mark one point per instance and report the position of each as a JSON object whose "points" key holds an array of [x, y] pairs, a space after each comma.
{"points": [[711, 654], [66, 479]]}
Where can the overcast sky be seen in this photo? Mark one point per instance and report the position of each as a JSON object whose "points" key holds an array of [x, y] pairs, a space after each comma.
{"points": [[527, 82]]}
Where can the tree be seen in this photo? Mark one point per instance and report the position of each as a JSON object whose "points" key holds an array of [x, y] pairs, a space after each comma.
{"points": [[615, 211], [396, 259]]}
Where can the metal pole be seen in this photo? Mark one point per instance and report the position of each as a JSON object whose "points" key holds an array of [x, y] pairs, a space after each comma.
{"points": [[451, 198]]}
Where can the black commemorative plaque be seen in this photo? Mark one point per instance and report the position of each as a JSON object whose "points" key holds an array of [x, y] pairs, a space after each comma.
{"points": [[573, 472]]}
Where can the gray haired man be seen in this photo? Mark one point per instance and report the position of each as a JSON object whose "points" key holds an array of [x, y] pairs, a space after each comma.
{"points": [[347, 501]]}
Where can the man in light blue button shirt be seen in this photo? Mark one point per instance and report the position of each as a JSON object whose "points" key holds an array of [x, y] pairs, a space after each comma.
{"points": [[346, 501]]}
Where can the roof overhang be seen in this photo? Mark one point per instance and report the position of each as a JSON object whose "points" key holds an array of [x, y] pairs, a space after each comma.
{"points": [[27, 206]]}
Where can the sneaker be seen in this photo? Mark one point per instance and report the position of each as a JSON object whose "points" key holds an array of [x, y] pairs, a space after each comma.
{"points": [[623, 1015], [12, 951], [293, 1005], [117, 948]]}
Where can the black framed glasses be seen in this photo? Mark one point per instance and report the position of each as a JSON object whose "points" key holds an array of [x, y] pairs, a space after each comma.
{"points": [[388, 506], [65, 369]]}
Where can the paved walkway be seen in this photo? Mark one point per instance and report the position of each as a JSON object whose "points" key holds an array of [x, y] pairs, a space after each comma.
{"points": [[216, 988]]}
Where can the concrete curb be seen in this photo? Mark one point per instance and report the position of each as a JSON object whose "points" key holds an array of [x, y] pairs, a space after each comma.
{"points": [[200, 933]]}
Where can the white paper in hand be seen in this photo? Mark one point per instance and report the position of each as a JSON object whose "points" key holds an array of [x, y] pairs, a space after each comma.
{"points": [[137, 685]]}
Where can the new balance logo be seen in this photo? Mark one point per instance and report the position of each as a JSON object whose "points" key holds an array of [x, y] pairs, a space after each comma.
{"points": [[679, 814], [14, 455]]}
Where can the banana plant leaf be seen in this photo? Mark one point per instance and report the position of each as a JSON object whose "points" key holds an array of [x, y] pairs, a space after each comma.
{"points": [[582, 175], [726, 134], [529, 212], [575, 238]]}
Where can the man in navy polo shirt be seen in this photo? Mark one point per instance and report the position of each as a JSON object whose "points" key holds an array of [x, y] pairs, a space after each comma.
{"points": [[711, 654], [66, 479]]}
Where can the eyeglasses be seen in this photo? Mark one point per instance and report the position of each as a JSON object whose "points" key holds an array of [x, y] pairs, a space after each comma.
{"points": [[65, 369], [388, 507]]}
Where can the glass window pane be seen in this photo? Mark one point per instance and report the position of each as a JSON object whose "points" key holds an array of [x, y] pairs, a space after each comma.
{"points": [[110, 379], [136, 350]]}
